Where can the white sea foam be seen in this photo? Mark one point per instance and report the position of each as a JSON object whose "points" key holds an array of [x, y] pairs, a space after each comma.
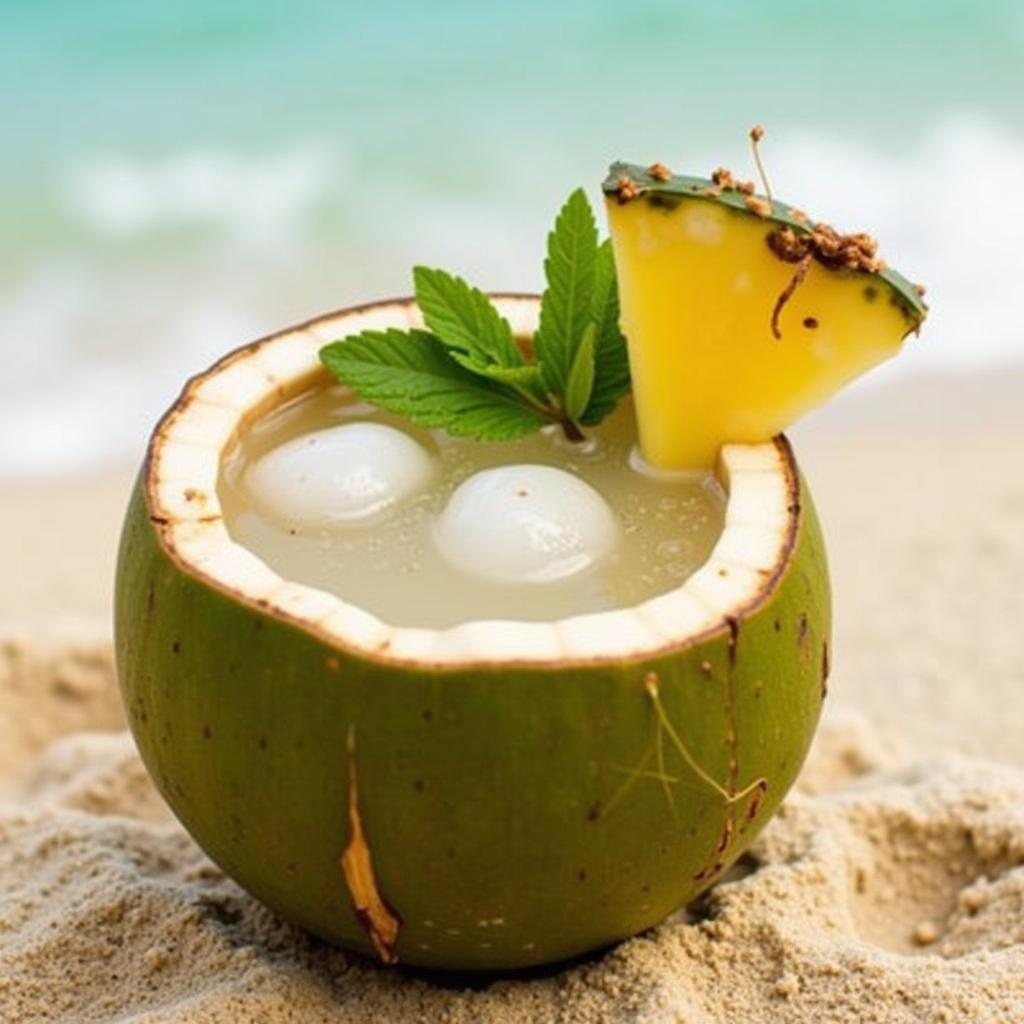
{"points": [[96, 339], [84, 382], [255, 199]]}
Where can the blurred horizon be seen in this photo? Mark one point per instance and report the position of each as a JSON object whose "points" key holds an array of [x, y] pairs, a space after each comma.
{"points": [[182, 178]]}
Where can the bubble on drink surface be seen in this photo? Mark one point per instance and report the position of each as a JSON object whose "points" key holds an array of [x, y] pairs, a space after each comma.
{"points": [[525, 524], [339, 477]]}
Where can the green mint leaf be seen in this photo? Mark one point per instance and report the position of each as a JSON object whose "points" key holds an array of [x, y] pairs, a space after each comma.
{"points": [[580, 384], [526, 379], [464, 319], [611, 362], [411, 373], [567, 304], [525, 374]]}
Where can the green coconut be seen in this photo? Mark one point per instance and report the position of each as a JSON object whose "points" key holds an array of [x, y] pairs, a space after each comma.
{"points": [[490, 796]]}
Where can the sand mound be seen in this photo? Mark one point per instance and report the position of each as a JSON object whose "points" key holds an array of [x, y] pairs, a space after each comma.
{"points": [[54, 680], [888, 889]]}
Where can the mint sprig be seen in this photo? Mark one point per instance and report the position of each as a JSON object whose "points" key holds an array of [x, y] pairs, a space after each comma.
{"points": [[412, 373], [466, 373]]}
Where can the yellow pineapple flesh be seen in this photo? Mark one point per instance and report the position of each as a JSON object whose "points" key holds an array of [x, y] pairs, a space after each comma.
{"points": [[729, 341]]}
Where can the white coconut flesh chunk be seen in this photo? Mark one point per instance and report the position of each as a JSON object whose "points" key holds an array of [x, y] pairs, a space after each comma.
{"points": [[762, 517], [340, 476], [525, 524]]}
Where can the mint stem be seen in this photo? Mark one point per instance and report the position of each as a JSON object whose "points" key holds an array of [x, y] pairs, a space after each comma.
{"points": [[572, 431]]}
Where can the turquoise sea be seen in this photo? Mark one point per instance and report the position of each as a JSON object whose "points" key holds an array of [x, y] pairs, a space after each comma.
{"points": [[179, 177]]}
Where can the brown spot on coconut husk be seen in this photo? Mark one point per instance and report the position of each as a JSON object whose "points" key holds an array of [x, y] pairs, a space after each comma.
{"points": [[659, 172], [733, 625], [726, 837], [803, 637], [755, 801], [709, 872]]}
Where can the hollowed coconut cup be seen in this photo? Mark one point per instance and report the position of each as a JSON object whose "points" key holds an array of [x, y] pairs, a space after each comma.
{"points": [[493, 795]]}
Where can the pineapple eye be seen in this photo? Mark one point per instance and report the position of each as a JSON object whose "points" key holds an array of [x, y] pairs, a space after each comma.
{"points": [[340, 476], [526, 524]]}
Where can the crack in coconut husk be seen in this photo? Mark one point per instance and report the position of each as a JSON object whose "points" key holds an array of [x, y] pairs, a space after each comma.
{"points": [[379, 920], [664, 727]]}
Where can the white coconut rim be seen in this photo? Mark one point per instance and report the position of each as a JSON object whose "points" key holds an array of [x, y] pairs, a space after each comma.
{"points": [[180, 483]]}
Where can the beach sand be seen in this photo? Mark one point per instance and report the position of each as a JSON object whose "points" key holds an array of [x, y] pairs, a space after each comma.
{"points": [[890, 887]]}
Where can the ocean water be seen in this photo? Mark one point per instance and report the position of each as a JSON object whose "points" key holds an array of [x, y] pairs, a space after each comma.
{"points": [[178, 178]]}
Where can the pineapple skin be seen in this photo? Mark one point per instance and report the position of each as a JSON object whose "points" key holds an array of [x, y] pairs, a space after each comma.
{"points": [[698, 284]]}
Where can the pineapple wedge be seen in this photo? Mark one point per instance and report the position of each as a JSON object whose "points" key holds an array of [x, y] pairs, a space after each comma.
{"points": [[740, 314]]}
